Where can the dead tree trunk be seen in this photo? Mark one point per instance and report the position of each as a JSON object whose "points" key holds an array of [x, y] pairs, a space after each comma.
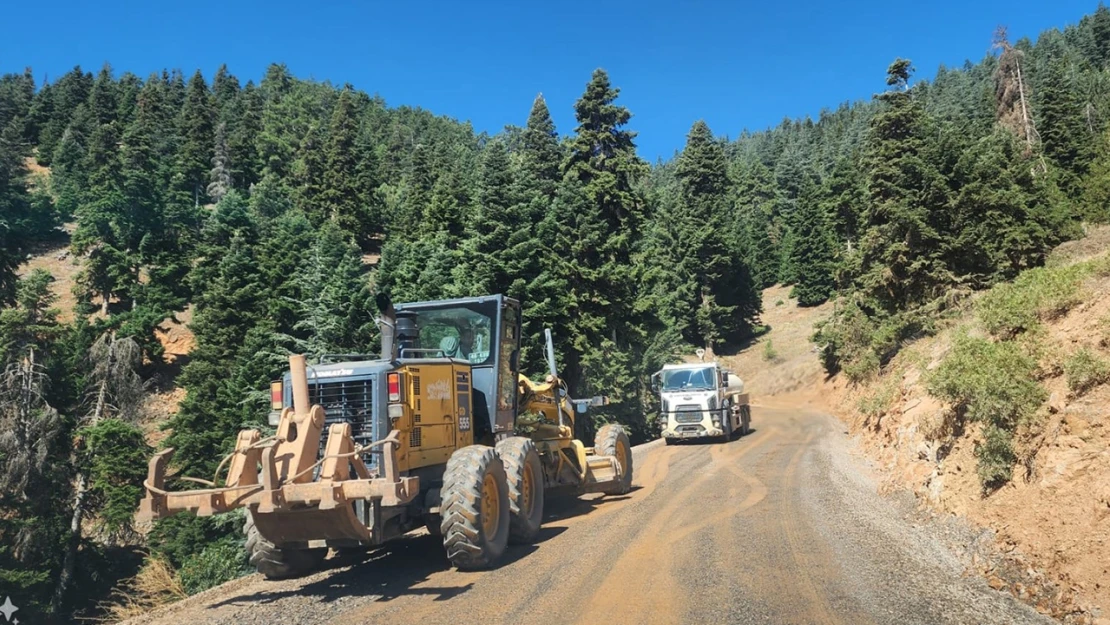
{"points": [[80, 492]]}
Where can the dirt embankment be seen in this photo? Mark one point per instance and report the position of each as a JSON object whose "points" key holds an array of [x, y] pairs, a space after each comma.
{"points": [[56, 257], [1052, 520]]}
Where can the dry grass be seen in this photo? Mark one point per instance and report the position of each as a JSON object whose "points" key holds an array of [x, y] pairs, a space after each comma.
{"points": [[791, 363], [155, 585]]}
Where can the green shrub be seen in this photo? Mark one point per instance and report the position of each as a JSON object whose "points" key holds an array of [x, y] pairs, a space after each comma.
{"points": [[879, 401], [1085, 370], [179, 537], [1037, 294], [995, 457], [779, 303], [220, 562], [862, 368], [769, 353], [994, 384], [861, 344]]}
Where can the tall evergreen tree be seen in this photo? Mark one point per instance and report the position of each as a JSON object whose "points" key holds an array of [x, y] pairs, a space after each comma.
{"points": [[812, 251], [539, 150], [197, 131], [901, 249], [713, 301], [349, 176]]}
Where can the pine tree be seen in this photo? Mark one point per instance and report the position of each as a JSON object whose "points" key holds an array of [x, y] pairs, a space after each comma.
{"points": [[596, 244], [70, 92], [755, 205], [1006, 218], [491, 261], [225, 89], [539, 150], [220, 174], [15, 209], [901, 250], [194, 157], [103, 99], [103, 225], [225, 313], [349, 175], [1063, 133], [812, 252], [408, 221], [714, 300], [245, 124]]}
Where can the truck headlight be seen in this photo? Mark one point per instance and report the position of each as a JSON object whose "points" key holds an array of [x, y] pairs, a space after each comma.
{"points": [[712, 403]]}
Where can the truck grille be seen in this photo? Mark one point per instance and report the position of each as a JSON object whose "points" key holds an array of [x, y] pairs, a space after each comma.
{"points": [[346, 402], [688, 413]]}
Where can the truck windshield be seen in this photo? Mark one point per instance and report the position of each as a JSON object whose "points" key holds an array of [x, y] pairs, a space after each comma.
{"points": [[682, 379]]}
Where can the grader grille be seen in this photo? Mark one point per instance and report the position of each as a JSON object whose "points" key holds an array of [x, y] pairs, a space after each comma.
{"points": [[346, 402]]}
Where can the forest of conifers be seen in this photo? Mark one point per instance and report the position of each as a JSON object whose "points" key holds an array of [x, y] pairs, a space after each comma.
{"points": [[263, 206]]}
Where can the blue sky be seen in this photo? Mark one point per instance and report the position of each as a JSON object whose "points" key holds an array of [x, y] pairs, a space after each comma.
{"points": [[735, 64]]}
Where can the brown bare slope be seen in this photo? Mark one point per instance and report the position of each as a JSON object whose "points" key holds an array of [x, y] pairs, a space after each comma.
{"points": [[1053, 518]]}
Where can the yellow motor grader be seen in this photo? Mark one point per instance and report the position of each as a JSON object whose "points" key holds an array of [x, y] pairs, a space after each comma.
{"points": [[441, 431]]}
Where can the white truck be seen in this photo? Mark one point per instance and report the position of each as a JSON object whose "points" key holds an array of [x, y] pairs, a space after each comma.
{"points": [[701, 400]]}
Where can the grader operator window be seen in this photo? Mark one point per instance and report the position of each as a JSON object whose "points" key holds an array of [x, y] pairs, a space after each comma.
{"points": [[457, 332]]}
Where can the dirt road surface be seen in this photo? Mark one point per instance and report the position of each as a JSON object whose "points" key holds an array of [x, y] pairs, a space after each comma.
{"points": [[781, 526]]}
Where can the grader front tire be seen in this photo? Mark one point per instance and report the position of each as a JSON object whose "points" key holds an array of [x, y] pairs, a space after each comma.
{"points": [[612, 440], [475, 508], [274, 562], [524, 477]]}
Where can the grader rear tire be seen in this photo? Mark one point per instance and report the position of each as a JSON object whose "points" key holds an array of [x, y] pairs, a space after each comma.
{"points": [[612, 440], [524, 477], [277, 563], [475, 508]]}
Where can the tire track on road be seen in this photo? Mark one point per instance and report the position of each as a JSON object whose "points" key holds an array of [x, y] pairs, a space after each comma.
{"points": [[629, 591]]}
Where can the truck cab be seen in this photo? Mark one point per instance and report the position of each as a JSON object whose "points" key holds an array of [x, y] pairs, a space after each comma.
{"points": [[701, 400]]}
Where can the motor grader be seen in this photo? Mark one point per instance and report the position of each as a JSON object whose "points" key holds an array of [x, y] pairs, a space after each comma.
{"points": [[441, 431]]}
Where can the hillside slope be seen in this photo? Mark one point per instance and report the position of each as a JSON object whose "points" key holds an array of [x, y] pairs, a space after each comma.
{"points": [[1053, 516]]}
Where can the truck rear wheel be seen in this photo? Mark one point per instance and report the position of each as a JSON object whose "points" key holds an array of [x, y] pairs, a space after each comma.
{"points": [[524, 477], [612, 440], [475, 508], [279, 563]]}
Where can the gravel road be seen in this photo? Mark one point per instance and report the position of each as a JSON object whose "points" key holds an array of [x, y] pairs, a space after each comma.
{"points": [[781, 526]]}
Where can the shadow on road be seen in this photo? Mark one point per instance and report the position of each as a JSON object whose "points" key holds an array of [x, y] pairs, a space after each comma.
{"points": [[396, 569], [709, 442]]}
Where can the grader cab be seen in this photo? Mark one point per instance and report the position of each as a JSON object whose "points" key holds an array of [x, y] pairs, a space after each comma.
{"points": [[430, 434]]}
